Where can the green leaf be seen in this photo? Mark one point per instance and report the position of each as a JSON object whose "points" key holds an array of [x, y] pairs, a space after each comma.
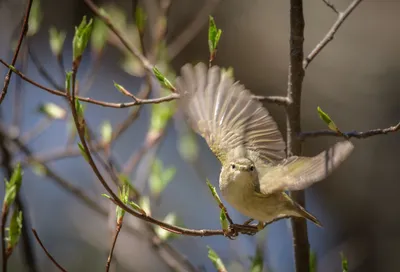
{"points": [[68, 83], [223, 220], [144, 203], [229, 71], [122, 90], [35, 18], [81, 38], [14, 231], [140, 19], [80, 109], [124, 197], [188, 147], [53, 111], [83, 152], [106, 196], [257, 262], [162, 79], [164, 234], [216, 260], [106, 131], [99, 35], [38, 169], [313, 261], [325, 117], [214, 192], [57, 39], [160, 115], [345, 267], [136, 207], [160, 177], [214, 34], [13, 186]]}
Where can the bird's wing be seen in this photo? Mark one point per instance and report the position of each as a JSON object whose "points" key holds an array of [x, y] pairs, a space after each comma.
{"points": [[298, 173], [226, 115]]}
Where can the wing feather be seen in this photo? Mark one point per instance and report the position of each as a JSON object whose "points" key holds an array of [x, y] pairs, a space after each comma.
{"points": [[225, 114]]}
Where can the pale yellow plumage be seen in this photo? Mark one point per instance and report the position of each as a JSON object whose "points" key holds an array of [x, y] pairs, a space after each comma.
{"points": [[245, 138]]}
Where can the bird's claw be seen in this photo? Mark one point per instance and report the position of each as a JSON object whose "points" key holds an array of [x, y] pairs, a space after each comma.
{"points": [[245, 229]]}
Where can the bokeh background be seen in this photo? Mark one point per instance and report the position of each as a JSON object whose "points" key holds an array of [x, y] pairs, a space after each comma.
{"points": [[355, 79]]}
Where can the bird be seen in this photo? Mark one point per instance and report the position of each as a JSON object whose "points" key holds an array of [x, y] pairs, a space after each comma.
{"points": [[256, 174]]}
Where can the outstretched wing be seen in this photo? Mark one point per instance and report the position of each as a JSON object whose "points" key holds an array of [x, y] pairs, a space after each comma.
{"points": [[226, 115], [298, 173]]}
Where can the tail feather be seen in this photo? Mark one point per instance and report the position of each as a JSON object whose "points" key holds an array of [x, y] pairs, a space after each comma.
{"points": [[299, 211]]}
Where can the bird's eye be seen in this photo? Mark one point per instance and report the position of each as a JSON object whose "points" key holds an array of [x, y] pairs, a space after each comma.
{"points": [[251, 168], [233, 166]]}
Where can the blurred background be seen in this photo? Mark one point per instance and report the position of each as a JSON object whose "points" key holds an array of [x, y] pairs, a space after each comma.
{"points": [[354, 79]]}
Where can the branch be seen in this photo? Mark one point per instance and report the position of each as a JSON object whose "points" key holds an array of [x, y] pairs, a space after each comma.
{"points": [[47, 252], [114, 241], [351, 134], [331, 6], [14, 59], [279, 100], [187, 35], [295, 80], [136, 102], [132, 49], [342, 16]]}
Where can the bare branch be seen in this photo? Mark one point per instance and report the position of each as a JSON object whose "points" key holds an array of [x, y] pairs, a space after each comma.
{"points": [[135, 51], [279, 100], [350, 134], [114, 241], [14, 59], [301, 245], [342, 16], [138, 101], [331, 6], [187, 35], [47, 252]]}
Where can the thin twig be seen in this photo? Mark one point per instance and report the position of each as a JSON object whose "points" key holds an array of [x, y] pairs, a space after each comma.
{"points": [[132, 49], [331, 6], [4, 213], [138, 101], [14, 59], [47, 252], [114, 241], [279, 100], [350, 134], [342, 16], [187, 35]]}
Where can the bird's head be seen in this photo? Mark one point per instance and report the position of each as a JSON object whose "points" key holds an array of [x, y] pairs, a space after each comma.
{"points": [[240, 170]]}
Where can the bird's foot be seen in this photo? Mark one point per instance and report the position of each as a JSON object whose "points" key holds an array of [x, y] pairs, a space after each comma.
{"points": [[245, 229]]}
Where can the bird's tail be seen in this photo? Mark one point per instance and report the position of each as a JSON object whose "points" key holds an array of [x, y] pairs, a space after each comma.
{"points": [[301, 212]]}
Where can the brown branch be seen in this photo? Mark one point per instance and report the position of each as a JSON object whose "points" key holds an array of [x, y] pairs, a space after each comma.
{"points": [[193, 28], [47, 252], [138, 101], [279, 100], [114, 241], [342, 16], [49, 173], [350, 134], [4, 213], [14, 59], [331, 6], [132, 49], [295, 80]]}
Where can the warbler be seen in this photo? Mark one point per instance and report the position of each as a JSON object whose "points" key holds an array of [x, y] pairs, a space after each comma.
{"points": [[255, 172]]}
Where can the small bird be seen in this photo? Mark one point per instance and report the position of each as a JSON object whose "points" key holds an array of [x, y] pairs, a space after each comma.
{"points": [[244, 137]]}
